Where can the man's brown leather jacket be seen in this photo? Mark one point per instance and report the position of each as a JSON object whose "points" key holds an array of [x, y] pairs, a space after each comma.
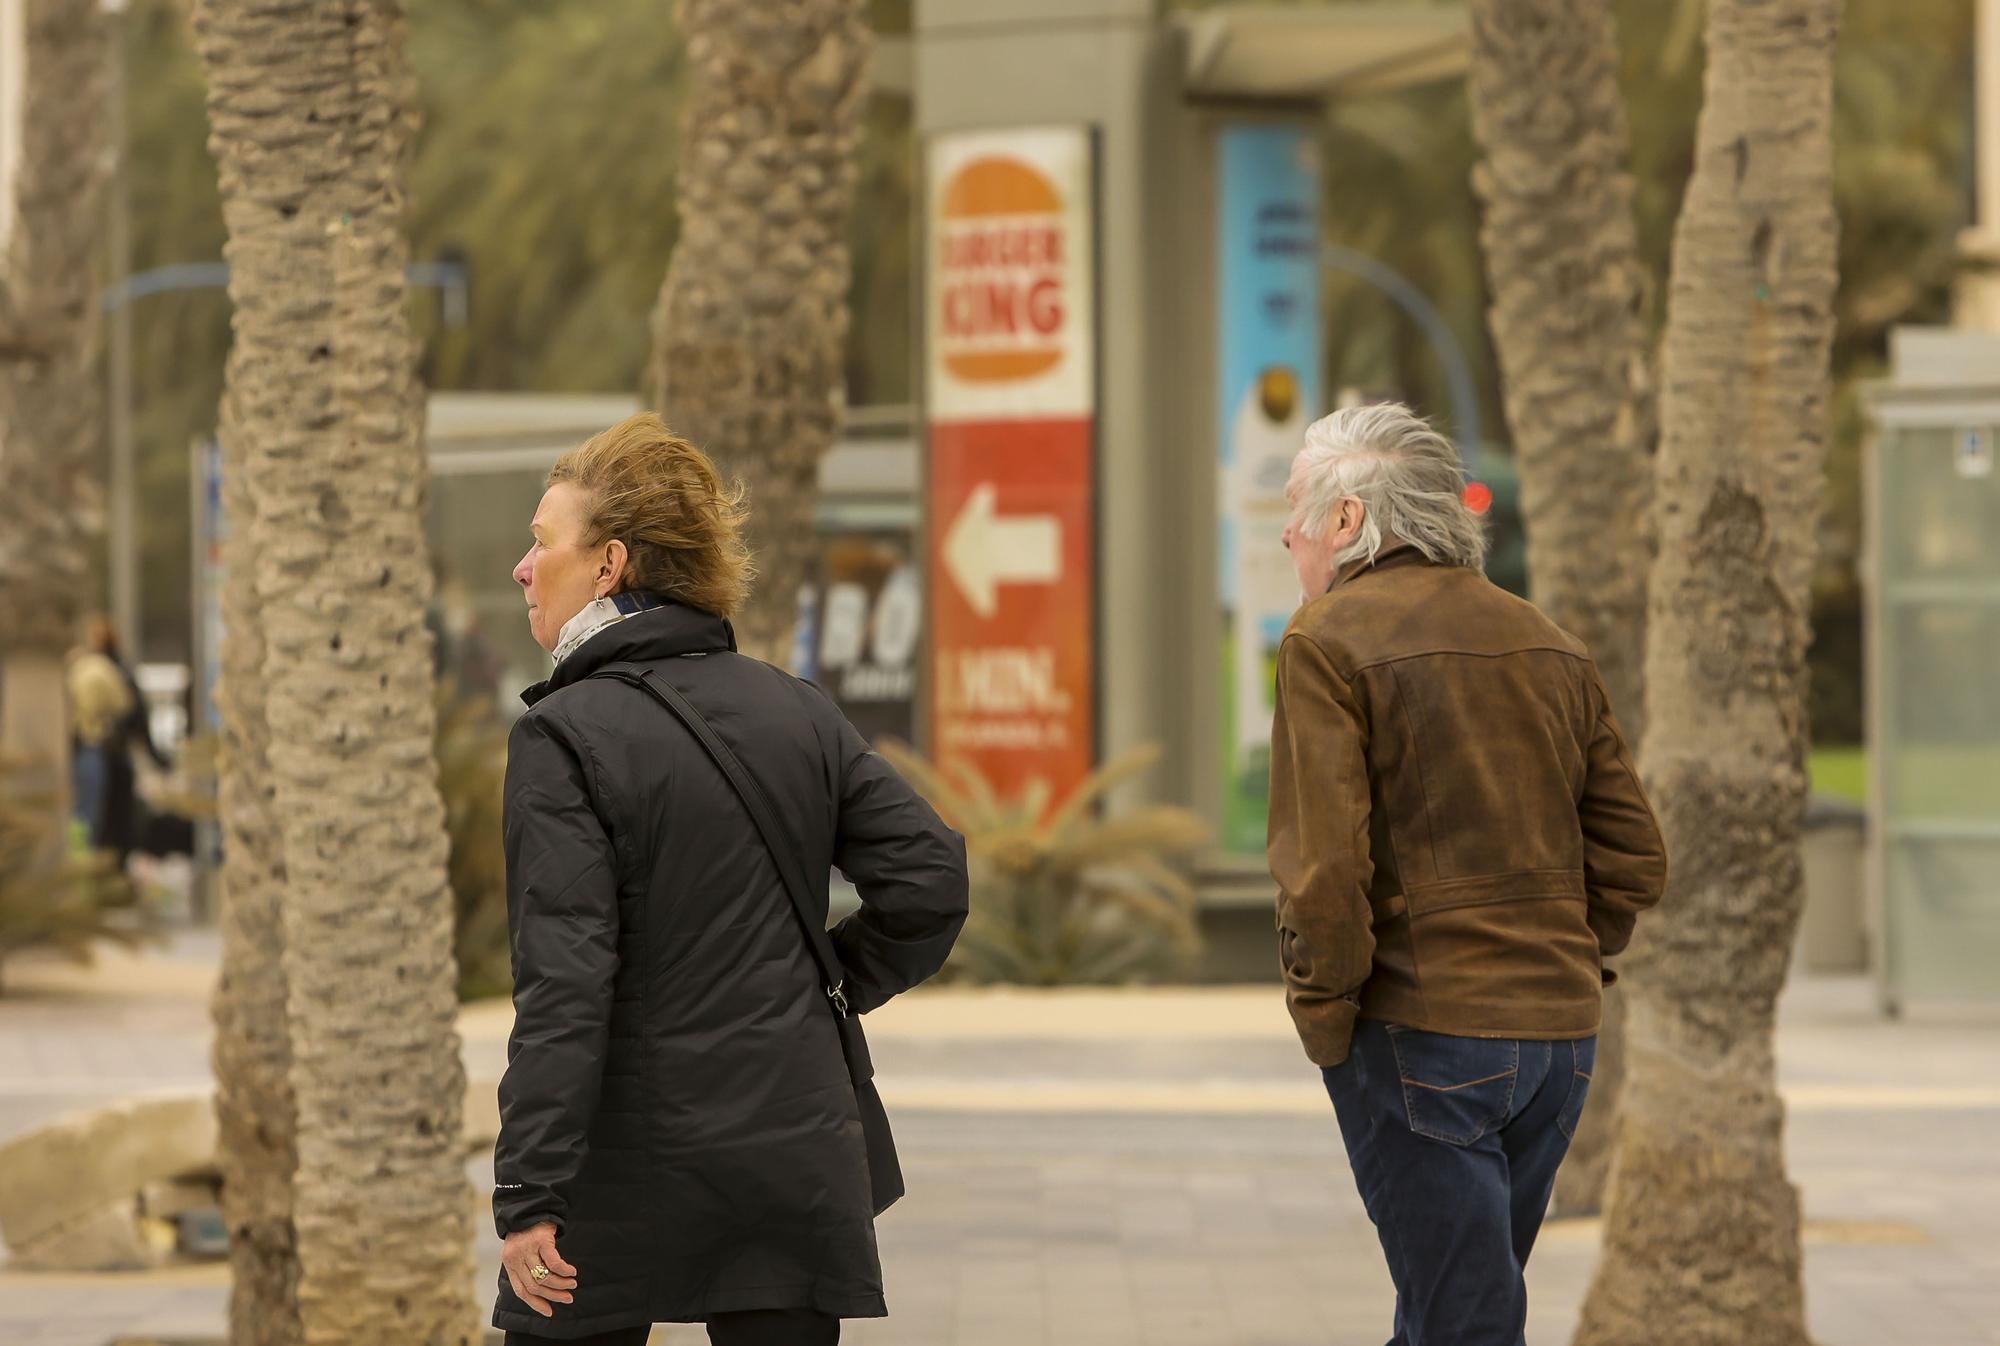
{"points": [[1457, 831]]}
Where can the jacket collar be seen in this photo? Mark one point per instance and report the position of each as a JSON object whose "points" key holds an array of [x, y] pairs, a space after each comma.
{"points": [[1394, 554], [665, 631], [600, 613]]}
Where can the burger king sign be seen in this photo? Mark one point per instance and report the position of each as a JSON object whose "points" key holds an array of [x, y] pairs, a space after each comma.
{"points": [[1010, 275], [1011, 361]]}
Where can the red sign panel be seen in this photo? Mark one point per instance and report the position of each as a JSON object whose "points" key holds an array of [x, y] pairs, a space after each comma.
{"points": [[1011, 511], [1011, 599]]}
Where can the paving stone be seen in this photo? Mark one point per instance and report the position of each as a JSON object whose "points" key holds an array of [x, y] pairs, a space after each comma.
{"points": [[1076, 1229]]}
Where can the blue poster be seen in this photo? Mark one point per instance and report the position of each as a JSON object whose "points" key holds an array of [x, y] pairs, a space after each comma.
{"points": [[1268, 307]]}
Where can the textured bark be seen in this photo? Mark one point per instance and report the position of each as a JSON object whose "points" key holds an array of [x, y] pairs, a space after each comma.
{"points": [[1562, 261], [50, 401], [256, 1115], [1586, 1169], [748, 336], [1702, 1224], [311, 110]]}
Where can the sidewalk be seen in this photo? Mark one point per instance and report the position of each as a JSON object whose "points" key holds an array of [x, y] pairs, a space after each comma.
{"points": [[1146, 1168]]}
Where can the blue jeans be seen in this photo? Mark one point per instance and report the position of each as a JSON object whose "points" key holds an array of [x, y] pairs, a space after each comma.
{"points": [[90, 778], [1455, 1144]]}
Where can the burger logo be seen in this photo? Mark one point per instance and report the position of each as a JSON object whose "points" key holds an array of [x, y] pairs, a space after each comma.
{"points": [[1002, 259]]}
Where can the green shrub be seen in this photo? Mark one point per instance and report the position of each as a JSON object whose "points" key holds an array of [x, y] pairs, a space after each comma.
{"points": [[471, 748], [1064, 894], [55, 894]]}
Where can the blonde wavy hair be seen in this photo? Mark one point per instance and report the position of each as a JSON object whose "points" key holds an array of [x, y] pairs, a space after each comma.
{"points": [[681, 524]]}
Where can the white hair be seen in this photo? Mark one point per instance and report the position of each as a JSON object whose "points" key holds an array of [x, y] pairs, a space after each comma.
{"points": [[1406, 475]]}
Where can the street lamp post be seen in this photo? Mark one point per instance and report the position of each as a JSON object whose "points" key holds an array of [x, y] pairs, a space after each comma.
{"points": [[124, 527], [1418, 306], [452, 278]]}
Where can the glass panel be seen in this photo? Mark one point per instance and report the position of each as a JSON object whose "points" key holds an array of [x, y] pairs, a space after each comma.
{"points": [[1943, 903], [478, 528], [1939, 646], [1943, 722], [1938, 522]]}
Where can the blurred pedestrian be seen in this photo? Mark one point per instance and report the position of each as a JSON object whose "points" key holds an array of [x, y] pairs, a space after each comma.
{"points": [[107, 722], [1459, 840], [687, 1109]]}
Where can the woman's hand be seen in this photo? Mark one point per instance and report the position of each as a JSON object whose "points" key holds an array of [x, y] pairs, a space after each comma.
{"points": [[533, 1247]]}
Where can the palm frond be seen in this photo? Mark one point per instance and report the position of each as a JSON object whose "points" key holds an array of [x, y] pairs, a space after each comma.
{"points": [[951, 800], [471, 749], [1075, 898], [1034, 803], [1121, 960], [1162, 876], [52, 898], [1161, 829], [986, 808], [1168, 918], [1101, 782]]}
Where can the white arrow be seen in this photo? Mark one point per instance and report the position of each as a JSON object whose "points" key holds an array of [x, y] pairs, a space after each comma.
{"points": [[983, 551]]}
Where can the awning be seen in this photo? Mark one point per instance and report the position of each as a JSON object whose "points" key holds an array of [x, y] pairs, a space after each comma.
{"points": [[1338, 50]]}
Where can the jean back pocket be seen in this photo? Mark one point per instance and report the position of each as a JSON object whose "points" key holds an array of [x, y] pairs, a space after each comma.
{"points": [[1455, 1089]]}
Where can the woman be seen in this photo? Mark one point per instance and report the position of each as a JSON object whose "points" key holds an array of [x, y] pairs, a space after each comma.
{"points": [[680, 1138], [107, 721]]}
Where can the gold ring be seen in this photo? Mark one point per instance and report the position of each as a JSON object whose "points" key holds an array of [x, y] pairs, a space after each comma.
{"points": [[539, 1272]]}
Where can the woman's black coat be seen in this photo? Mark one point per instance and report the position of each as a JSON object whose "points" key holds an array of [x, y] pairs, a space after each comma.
{"points": [[675, 1097]]}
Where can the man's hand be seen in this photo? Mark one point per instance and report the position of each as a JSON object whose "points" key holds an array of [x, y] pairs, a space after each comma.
{"points": [[534, 1247]]}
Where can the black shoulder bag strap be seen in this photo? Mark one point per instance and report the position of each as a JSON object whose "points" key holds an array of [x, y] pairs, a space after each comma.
{"points": [[884, 1169]]}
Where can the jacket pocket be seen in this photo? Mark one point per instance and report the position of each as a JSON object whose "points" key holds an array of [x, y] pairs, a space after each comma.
{"points": [[1288, 955], [1455, 1089]]}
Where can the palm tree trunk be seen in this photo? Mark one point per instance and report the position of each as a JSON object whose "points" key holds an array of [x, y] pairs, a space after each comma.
{"points": [[1586, 1169], [1702, 1226], [50, 401], [749, 333], [1562, 261], [311, 109], [256, 1116]]}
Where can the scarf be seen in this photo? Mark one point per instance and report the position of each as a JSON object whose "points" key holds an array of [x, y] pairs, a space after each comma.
{"points": [[600, 613]]}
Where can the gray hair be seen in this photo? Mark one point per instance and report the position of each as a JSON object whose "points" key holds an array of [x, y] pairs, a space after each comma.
{"points": [[1406, 475]]}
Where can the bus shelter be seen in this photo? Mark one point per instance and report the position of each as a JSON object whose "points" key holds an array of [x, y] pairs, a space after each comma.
{"points": [[1933, 617]]}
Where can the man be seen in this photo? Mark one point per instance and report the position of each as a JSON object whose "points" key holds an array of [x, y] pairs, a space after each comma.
{"points": [[1459, 840]]}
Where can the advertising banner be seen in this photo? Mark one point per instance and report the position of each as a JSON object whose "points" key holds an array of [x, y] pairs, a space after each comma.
{"points": [[1011, 386], [1268, 344], [860, 629]]}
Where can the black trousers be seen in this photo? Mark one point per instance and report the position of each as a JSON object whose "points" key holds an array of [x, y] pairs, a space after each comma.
{"points": [[759, 1327]]}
